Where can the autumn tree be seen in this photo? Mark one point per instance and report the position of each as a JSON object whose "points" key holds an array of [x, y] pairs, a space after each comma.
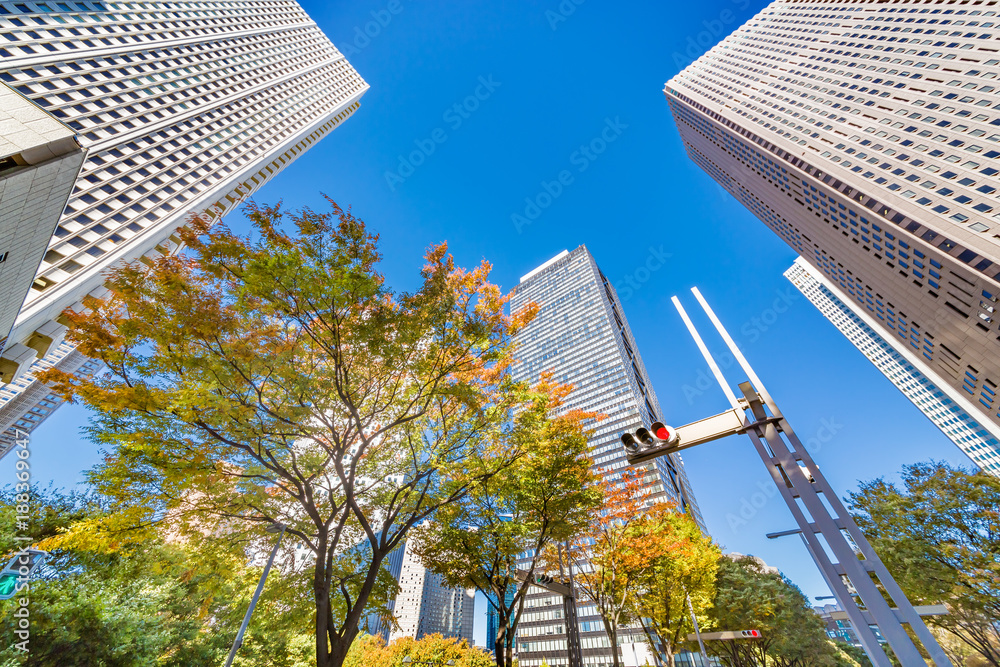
{"points": [[160, 602], [372, 651], [680, 565], [939, 535], [750, 596], [546, 497], [605, 569], [279, 380]]}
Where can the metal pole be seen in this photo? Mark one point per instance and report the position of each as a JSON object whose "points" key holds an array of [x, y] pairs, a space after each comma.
{"points": [[788, 461], [253, 601], [798, 479], [697, 632], [573, 648], [714, 367]]}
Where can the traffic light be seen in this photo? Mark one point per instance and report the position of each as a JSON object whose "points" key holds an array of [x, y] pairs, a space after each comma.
{"points": [[543, 579], [750, 634], [657, 435], [20, 568]]}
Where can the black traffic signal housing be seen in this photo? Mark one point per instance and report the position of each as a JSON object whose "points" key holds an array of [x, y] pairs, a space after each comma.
{"points": [[657, 435], [543, 579]]}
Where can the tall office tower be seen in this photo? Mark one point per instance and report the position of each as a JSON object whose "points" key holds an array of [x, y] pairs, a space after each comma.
{"points": [[181, 108], [865, 135], [425, 605], [25, 403], [39, 163], [950, 410], [582, 336]]}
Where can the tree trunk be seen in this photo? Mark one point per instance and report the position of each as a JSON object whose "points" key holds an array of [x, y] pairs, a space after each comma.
{"points": [[612, 629], [338, 653], [500, 642], [321, 592]]}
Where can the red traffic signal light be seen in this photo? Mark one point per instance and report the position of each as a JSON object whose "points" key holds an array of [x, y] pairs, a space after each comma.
{"points": [[750, 634], [663, 432], [658, 435]]}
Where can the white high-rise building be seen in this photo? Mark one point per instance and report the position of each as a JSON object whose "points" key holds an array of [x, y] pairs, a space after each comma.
{"points": [[867, 136], [425, 605], [949, 410], [181, 108], [582, 336], [39, 162]]}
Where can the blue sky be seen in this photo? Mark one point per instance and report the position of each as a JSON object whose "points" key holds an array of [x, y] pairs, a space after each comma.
{"points": [[541, 87]]}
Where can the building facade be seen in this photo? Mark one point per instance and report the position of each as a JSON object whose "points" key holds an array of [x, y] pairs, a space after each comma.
{"points": [[181, 109], [25, 402], [951, 411], [867, 136], [582, 336], [838, 627], [39, 163], [493, 618], [425, 605]]}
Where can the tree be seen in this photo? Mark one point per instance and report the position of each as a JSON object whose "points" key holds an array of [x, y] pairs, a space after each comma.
{"points": [[371, 651], [680, 564], [606, 569], [546, 497], [749, 597], [940, 538], [280, 381], [156, 603]]}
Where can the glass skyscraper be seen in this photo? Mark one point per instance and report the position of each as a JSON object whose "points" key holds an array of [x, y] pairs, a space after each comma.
{"points": [[867, 136], [949, 410], [582, 336], [180, 108]]}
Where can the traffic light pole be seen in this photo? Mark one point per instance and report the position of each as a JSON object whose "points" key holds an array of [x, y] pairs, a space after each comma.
{"points": [[568, 593], [839, 548]]}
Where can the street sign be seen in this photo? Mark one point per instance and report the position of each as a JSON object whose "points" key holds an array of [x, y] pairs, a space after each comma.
{"points": [[18, 569]]}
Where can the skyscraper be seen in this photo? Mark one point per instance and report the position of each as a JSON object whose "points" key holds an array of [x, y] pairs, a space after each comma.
{"points": [[425, 605], [493, 618], [181, 108], [865, 134], [26, 402], [39, 163], [582, 336], [951, 411]]}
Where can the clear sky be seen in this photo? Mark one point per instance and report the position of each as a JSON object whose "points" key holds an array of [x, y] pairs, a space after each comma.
{"points": [[551, 77]]}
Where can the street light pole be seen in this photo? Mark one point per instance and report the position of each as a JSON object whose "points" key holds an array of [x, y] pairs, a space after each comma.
{"points": [[256, 595], [697, 632]]}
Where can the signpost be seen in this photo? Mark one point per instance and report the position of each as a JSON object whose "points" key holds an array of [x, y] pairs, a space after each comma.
{"points": [[858, 578]]}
